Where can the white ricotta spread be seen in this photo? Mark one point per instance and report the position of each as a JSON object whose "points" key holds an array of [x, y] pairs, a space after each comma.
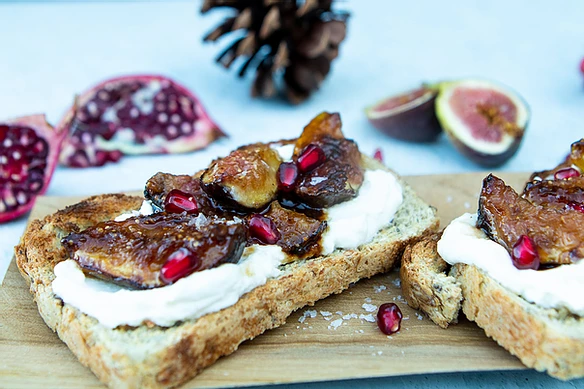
{"points": [[145, 210], [562, 286], [357, 221], [188, 298], [350, 224]]}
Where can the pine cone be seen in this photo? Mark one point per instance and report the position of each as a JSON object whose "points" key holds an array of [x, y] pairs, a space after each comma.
{"points": [[298, 39]]}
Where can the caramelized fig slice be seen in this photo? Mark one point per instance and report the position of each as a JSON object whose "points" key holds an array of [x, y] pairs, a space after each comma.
{"points": [[325, 124], [160, 185], [299, 233], [562, 194], [485, 121], [505, 217], [137, 251], [337, 179], [409, 116], [245, 179]]}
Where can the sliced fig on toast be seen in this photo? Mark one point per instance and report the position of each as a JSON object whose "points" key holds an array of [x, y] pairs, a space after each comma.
{"points": [[245, 179], [409, 116], [161, 184], [572, 166], [563, 194], [156, 250], [299, 233], [506, 218], [330, 165], [485, 121]]}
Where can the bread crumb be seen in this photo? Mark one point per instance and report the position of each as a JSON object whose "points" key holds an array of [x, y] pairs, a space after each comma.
{"points": [[368, 318], [369, 307], [379, 288], [335, 324]]}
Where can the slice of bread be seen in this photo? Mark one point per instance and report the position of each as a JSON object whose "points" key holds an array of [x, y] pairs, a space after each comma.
{"points": [[149, 356], [550, 340]]}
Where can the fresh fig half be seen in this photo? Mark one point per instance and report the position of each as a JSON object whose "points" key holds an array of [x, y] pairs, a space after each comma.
{"points": [[136, 114], [409, 116], [485, 121]]}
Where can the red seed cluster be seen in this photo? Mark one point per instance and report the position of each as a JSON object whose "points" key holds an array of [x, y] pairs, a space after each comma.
{"points": [[311, 157]]}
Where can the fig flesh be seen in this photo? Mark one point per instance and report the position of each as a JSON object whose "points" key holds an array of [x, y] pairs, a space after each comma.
{"points": [[485, 121], [409, 116]]}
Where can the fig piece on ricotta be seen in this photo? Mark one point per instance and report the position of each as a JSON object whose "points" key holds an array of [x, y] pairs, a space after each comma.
{"points": [[563, 194], [161, 184], [299, 233], [339, 175], [245, 179], [505, 217], [140, 251]]}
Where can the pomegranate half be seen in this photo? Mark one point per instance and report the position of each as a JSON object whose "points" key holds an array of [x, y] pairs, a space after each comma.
{"points": [[29, 149], [136, 114]]}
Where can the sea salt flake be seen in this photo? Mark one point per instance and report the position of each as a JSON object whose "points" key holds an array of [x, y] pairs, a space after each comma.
{"points": [[369, 307], [368, 318], [396, 282], [325, 313], [379, 288], [368, 300], [335, 324], [420, 317]]}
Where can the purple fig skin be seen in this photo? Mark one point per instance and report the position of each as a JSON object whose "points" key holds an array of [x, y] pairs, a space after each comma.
{"points": [[483, 159], [414, 124]]}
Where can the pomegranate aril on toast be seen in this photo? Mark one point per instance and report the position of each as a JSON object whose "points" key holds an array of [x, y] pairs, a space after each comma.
{"points": [[524, 253], [263, 229], [287, 176], [310, 158], [178, 201], [179, 264]]}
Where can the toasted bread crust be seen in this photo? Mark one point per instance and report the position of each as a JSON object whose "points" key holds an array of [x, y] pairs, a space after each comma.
{"points": [[549, 340], [149, 356], [425, 284]]}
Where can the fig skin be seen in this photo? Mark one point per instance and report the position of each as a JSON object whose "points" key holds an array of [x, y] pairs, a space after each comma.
{"points": [[414, 120], [459, 137]]}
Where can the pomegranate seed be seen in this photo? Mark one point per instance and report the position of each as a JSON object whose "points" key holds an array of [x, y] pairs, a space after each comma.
{"points": [[389, 318], [311, 157], [564, 174], [576, 206], [287, 175], [178, 201], [263, 229], [378, 155], [524, 254], [179, 264]]}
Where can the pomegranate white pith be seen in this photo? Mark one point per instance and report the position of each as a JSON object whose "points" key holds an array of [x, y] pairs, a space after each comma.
{"points": [[143, 114]]}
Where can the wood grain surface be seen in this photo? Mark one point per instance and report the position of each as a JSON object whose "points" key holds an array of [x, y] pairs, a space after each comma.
{"points": [[337, 343]]}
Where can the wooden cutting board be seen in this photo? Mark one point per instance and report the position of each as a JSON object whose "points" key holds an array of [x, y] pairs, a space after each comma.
{"points": [[326, 342]]}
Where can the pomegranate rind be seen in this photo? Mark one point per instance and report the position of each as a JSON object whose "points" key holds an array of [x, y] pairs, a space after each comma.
{"points": [[54, 138], [409, 116], [206, 131], [486, 153]]}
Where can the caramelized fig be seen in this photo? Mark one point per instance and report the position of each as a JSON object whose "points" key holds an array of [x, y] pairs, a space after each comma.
{"points": [[558, 193], [505, 217], [485, 121], [331, 178], [409, 116], [139, 250], [245, 179], [161, 184], [299, 233]]}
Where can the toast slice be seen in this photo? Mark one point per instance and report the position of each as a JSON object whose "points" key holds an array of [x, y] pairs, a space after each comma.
{"points": [[149, 356], [548, 340]]}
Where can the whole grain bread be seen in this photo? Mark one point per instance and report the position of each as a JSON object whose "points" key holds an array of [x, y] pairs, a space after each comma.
{"points": [[548, 340], [149, 356], [427, 285]]}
